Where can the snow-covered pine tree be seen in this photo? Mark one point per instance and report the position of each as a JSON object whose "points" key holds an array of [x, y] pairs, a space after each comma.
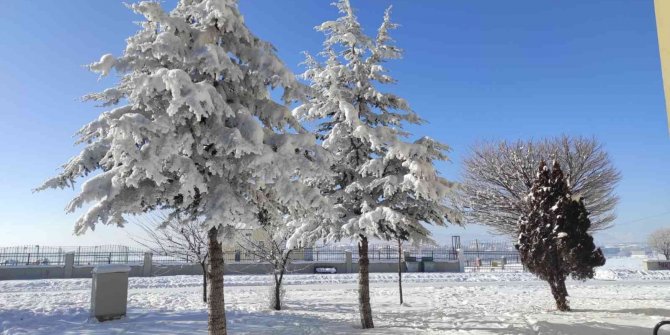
{"points": [[384, 186], [197, 133], [553, 239]]}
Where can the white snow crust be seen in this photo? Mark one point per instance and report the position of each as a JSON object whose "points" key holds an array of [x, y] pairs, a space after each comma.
{"points": [[620, 301]]}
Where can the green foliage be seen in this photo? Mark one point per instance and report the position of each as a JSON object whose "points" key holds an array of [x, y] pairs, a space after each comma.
{"points": [[553, 240]]}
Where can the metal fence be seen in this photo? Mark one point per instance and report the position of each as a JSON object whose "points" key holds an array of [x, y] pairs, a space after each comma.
{"points": [[376, 253], [31, 255], [45, 255], [487, 261], [117, 254]]}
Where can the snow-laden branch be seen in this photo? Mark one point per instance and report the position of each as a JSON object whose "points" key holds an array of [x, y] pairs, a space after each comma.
{"points": [[197, 132], [383, 186]]}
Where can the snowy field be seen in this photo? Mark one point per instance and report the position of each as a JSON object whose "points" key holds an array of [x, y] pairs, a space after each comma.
{"points": [[621, 301]]}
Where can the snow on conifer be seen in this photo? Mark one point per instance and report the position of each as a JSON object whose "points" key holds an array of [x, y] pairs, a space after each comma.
{"points": [[384, 185], [194, 130], [198, 130]]}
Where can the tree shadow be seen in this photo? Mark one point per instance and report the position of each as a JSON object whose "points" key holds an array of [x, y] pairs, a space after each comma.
{"points": [[660, 312], [590, 328], [138, 321], [452, 323]]}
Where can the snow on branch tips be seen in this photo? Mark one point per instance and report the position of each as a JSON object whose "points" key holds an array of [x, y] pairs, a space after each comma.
{"points": [[197, 130], [103, 66]]}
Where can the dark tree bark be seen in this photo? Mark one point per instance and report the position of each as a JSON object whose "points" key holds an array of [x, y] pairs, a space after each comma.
{"points": [[400, 269], [560, 293], [204, 281], [277, 301], [364, 284], [280, 269], [217, 312]]}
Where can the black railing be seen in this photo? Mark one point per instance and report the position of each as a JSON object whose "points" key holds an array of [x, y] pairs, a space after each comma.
{"points": [[115, 254], [55, 256]]}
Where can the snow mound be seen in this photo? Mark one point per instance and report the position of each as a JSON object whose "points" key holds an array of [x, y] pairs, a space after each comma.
{"points": [[628, 274]]}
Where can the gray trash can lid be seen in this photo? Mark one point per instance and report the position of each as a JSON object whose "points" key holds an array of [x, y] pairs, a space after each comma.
{"points": [[111, 268]]}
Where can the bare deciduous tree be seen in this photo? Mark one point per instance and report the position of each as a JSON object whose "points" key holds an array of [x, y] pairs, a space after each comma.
{"points": [[659, 240], [413, 235], [498, 176], [270, 246], [182, 239]]}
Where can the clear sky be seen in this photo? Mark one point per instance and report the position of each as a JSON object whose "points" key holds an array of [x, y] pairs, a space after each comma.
{"points": [[476, 70]]}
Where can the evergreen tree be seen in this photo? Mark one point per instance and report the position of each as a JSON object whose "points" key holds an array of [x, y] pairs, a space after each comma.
{"points": [[383, 186], [197, 133], [579, 251], [553, 239]]}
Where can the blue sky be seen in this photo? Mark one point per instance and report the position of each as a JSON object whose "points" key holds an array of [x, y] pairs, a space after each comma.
{"points": [[476, 70]]}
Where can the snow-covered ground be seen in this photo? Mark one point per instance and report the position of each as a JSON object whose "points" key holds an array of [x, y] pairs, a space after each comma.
{"points": [[628, 263], [623, 301]]}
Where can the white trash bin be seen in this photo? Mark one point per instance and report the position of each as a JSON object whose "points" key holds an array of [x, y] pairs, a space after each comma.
{"points": [[109, 292]]}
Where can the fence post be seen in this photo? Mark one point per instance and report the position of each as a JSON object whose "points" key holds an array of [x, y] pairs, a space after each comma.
{"points": [[461, 260], [146, 267], [347, 260], [69, 265], [307, 254]]}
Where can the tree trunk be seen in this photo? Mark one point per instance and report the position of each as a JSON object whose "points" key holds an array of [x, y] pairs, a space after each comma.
{"points": [[217, 312], [204, 281], [400, 269], [560, 293], [281, 268], [277, 302], [364, 284]]}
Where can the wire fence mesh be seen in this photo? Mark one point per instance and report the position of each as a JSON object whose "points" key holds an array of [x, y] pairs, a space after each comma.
{"points": [[477, 254], [83, 255]]}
